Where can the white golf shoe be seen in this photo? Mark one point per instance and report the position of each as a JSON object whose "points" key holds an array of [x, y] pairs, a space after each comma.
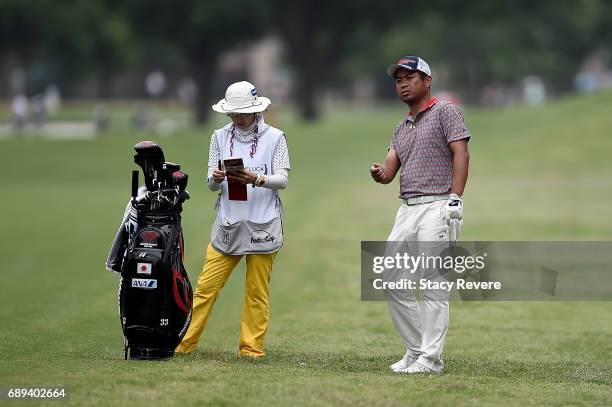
{"points": [[403, 363], [416, 367]]}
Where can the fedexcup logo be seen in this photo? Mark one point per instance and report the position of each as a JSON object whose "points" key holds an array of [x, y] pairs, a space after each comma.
{"points": [[261, 236], [145, 283]]}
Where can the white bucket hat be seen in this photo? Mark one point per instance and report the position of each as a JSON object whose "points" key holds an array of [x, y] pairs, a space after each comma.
{"points": [[241, 97]]}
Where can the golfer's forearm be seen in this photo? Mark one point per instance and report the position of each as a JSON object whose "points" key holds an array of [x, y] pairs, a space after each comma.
{"points": [[390, 171], [388, 178], [277, 181], [390, 166], [274, 181], [461, 162], [212, 185]]}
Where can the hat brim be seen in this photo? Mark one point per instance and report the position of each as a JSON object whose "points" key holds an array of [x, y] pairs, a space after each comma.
{"points": [[394, 67], [259, 105]]}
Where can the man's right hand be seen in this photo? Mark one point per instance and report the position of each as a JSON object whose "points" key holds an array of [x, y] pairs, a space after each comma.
{"points": [[377, 172], [218, 176]]}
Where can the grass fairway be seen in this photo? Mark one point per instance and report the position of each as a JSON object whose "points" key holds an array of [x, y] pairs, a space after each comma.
{"points": [[536, 174]]}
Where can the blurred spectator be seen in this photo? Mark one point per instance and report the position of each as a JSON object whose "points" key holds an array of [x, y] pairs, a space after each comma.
{"points": [[155, 83], [39, 114], [142, 120], [187, 91], [449, 96], [586, 81], [534, 92], [493, 95], [594, 74], [101, 119], [19, 110], [53, 100]]}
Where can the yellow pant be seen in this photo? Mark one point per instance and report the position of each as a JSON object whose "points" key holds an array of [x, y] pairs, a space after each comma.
{"points": [[255, 312]]}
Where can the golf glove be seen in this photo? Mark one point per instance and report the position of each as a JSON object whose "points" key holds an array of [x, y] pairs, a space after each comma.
{"points": [[453, 209]]}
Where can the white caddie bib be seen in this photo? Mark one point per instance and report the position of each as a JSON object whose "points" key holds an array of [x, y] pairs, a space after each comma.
{"points": [[254, 225]]}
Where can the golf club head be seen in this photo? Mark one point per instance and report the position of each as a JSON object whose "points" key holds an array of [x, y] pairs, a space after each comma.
{"points": [[150, 157], [168, 169], [180, 179]]}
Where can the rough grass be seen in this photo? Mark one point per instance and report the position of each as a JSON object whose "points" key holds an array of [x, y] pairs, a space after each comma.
{"points": [[536, 174]]}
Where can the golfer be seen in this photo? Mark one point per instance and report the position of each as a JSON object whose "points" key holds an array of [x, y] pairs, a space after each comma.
{"points": [[430, 149], [251, 228]]}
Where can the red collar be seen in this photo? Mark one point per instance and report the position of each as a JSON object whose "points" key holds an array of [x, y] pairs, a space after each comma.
{"points": [[432, 101]]}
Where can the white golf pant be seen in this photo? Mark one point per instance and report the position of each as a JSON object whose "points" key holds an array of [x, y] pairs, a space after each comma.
{"points": [[422, 324]]}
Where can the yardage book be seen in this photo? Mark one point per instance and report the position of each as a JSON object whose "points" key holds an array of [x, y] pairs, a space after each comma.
{"points": [[236, 190]]}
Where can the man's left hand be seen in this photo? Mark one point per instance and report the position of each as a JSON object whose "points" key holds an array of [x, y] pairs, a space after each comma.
{"points": [[242, 176], [453, 209]]}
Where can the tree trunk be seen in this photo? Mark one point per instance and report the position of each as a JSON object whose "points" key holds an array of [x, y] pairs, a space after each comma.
{"points": [[306, 92], [203, 72], [308, 77], [104, 82]]}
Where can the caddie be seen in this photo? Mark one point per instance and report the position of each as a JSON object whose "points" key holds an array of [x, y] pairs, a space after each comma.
{"points": [[429, 148], [251, 228]]}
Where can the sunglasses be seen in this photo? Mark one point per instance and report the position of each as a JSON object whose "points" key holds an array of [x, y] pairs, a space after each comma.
{"points": [[238, 114]]}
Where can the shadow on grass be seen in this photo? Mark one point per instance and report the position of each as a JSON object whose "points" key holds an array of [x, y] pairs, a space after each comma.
{"points": [[321, 362]]}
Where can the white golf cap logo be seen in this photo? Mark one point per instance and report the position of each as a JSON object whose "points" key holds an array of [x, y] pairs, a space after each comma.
{"points": [[241, 97], [410, 63]]}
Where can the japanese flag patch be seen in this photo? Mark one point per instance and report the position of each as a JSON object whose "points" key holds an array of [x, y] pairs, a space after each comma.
{"points": [[143, 268]]}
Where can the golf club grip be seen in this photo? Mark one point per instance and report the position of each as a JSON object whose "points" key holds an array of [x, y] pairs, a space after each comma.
{"points": [[134, 184]]}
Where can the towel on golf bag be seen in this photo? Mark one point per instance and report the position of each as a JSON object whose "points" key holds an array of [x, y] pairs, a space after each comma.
{"points": [[127, 228]]}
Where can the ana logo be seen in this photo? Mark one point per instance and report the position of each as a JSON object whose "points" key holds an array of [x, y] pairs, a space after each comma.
{"points": [[254, 91], [143, 268], [145, 283], [261, 236]]}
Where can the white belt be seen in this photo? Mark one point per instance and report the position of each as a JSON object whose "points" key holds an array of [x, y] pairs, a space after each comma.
{"points": [[417, 200]]}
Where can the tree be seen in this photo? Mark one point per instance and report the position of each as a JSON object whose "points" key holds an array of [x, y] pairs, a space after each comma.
{"points": [[78, 36], [472, 44], [199, 31], [318, 35]]}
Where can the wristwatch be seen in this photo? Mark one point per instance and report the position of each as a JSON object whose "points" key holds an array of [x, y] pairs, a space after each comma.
{"points": [[254, 183], [259, 181]]}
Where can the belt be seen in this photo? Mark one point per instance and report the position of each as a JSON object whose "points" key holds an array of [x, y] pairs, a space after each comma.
{"points": [[417, 200]]}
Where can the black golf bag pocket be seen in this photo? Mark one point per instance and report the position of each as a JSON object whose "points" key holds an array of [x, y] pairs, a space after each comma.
{"points": [[155, 294]]}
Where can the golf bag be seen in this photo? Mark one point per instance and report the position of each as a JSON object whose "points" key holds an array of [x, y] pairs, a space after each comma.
{"points": [[154, 291]]}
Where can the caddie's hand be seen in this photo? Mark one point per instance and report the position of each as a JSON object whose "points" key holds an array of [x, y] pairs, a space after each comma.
{"points": [[377, 172], [218, 176], [453, 209], [242, 176]]}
